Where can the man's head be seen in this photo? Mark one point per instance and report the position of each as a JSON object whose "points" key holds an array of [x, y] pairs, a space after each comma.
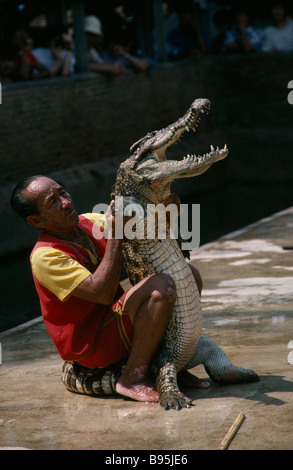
{"points": [[45, 204], [18, 37], [242, 19], [94, 32], [278, 12]]}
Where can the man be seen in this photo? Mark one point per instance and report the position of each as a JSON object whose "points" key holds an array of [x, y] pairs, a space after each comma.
{"points": [[94, 39], [25, 63], [87, 314], [55, 50], [279, 36], [242, 37], [188, 40]]}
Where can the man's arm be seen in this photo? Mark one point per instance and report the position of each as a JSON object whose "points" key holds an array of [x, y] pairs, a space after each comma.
{"points": [[115, 68], [101, 286]]}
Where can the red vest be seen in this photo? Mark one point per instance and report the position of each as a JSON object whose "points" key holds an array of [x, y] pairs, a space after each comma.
{"points": [[72, 324]]}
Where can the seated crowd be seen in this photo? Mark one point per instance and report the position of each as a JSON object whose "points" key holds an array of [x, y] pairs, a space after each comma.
{"points": [[28, 53]]}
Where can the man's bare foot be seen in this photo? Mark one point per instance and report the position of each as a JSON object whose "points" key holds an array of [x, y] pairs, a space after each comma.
{"points": [[186, 379], [136, 385]]}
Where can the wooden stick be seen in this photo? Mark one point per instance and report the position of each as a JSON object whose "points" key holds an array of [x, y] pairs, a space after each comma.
{"points": [[232, 432]]}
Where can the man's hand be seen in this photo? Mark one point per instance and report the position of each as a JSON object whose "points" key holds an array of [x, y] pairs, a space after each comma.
{"points": [[117, 68], [172, 199], [110, 219], [57, 53]]}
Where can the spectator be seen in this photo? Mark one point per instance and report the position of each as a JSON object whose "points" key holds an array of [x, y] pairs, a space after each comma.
{"points": [[57, 51], [187, 40], [120, 48], [95, 45], [279, 37], [8, 71], [223, 22], [24, 61], [242, 37]]}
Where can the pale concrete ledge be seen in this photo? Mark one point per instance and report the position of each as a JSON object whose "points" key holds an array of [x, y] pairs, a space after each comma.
{"points": [[248, 310]]}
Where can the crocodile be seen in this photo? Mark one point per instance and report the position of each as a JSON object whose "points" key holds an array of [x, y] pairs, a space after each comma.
{"points": [[145, 179]]}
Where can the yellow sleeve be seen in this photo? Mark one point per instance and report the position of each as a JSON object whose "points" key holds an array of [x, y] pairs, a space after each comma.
{"points": [[98, 219], [57, 271]]}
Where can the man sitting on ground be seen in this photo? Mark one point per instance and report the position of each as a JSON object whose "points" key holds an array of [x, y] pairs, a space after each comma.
{"points": [[88, 316]]}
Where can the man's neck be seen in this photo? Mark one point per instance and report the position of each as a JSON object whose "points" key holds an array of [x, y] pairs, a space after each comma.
{"points": [[72, 235], [282, 23]]}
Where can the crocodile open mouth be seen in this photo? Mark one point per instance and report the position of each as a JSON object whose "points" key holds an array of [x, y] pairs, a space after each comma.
{"points": [[157, 142], [189, 122]]}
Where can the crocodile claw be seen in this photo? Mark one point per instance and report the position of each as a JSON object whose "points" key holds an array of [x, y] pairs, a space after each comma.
{"points": [[175, 401]]}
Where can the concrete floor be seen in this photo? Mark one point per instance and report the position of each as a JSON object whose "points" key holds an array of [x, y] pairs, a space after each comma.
{"points": [[248, 310]]}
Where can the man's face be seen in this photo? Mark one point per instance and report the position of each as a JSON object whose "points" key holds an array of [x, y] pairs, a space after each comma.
{"points": [[20, 38], [242, 19], [94, 40], [278, 13], [56, 209]]}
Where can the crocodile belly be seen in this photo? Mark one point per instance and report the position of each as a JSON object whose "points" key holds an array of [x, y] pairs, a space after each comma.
{"points": [[184, 329]]}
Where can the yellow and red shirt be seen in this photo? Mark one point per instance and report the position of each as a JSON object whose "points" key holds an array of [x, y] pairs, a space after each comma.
{"points": [[58, 268]]}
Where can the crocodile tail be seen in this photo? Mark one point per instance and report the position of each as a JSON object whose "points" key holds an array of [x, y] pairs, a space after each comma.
{"points": [[98, 381], [218, 366]]}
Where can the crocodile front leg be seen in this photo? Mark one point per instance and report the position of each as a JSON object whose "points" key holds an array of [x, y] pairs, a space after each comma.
{"points": [[164, 369], [217, 365]]}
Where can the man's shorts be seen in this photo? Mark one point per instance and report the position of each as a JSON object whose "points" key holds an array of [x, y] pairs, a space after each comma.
{"points": [[114, 337]]}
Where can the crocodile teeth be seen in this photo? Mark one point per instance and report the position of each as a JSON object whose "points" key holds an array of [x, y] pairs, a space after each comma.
{"points": [[225, 148], [212, 148]]}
